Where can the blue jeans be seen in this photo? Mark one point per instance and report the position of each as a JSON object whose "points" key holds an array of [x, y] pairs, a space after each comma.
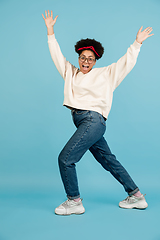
{"points": [[91, 127]]}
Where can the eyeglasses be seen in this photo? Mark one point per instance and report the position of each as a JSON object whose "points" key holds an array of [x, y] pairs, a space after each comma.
{"points": [[89, 60]]}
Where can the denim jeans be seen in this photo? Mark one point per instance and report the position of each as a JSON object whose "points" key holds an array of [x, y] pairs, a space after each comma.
{"points": [[91, 127]]}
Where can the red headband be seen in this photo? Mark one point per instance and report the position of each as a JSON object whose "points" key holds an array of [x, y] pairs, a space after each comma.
{"points": [[91, 47]]}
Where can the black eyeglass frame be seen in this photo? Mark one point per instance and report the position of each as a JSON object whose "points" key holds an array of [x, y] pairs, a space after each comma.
{"points": [[89, 61]]}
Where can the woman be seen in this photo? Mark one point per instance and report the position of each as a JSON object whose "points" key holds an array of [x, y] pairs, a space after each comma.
{"points": [[88, 93]]}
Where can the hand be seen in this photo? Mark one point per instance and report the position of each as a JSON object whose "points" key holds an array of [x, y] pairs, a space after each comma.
{"points": [[143, 35], [49, 21]]}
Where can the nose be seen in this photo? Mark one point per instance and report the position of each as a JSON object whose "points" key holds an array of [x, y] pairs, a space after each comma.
{"points": [[87, 60]]}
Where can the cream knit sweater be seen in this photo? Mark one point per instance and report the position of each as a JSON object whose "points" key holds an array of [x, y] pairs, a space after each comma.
{"points": [[93, 90]]}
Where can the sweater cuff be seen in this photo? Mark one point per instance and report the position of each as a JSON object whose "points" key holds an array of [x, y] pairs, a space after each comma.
{"points": [[51, 37], [137, 45]]}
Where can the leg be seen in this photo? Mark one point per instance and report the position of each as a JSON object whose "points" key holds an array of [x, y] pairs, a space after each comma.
{"points": [[89, 130], [103, 155]]}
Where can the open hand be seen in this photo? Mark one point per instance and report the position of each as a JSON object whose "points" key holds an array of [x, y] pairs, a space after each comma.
{"points": [[143, 35], [49, 21]]}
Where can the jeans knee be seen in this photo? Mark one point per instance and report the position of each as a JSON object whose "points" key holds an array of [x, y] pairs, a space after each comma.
{"points": [[65, 160], [60, 159]]}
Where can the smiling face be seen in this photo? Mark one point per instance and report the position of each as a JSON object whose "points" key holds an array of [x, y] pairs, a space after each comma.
{"points": [[86, 61]]}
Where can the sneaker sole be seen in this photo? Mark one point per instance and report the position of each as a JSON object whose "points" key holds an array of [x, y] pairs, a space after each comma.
{"points": [[134, 207], [74, 210], [67, 214]]}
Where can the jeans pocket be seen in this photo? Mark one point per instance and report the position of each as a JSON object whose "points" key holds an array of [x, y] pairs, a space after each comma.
{"points": [[80, 112], [102, 119]]}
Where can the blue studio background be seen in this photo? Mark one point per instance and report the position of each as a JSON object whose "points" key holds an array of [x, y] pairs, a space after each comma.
{"points": [[34, 126]]}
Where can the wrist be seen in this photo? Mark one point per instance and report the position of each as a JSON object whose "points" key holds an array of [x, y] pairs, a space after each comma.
{"points": [[138, 41], [50, 31]]}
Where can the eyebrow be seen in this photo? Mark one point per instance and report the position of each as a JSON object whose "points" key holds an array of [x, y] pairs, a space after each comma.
{"points": [[88, 56]]}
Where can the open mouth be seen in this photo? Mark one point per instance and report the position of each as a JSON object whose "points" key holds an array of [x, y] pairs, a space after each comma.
{"points": [[85, 66]]}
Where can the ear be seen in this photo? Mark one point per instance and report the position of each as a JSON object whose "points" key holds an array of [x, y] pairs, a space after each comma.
{"points": [[94, 62]]}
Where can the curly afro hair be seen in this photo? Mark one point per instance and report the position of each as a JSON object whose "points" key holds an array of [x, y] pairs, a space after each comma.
{"points": [[90, 44]]}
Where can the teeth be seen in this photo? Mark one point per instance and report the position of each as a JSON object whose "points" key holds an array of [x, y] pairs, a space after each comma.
{"points": [[85, 66]]}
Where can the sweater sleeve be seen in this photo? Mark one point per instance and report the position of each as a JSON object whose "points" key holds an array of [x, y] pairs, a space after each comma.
{"points": [[57, 56], [124, 65]]}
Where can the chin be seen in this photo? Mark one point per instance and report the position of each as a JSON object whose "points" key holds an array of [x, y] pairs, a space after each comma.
{"points": [[85, 71]]}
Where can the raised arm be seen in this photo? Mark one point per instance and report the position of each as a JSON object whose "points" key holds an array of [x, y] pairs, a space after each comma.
{"points": [[124, 65], [55, 51]]}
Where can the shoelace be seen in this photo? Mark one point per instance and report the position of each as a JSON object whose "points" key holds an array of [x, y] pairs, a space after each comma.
{"points": [[130, 198], [66, 202]]}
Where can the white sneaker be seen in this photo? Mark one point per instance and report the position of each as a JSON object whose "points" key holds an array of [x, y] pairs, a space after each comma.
{"points": [[70, 207], [134, 202]]}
